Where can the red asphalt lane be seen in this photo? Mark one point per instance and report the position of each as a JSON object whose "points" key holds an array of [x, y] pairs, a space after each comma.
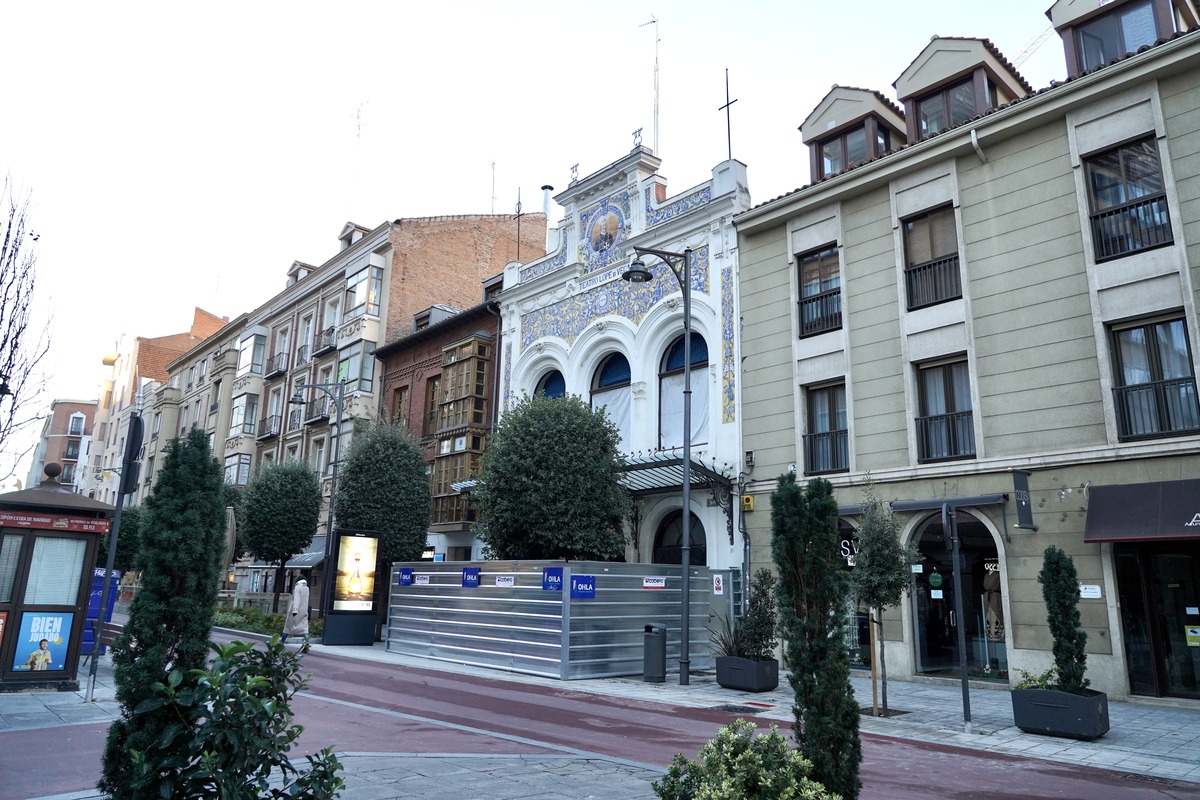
{"points": [[404, 710]]}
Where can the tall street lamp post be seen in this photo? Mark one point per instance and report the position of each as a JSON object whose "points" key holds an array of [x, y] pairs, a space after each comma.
{"points": [[637, 273], [337, 393]]}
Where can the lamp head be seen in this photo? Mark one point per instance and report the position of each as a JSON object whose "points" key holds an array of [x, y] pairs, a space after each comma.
{"points": [[637, 272], [297, 399]]}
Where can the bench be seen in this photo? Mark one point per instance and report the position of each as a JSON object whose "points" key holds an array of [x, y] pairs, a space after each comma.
{"points": [[104, 634]]}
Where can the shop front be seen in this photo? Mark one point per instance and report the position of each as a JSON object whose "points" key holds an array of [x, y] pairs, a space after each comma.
{"points": [[48, 543], [1154, 532]]}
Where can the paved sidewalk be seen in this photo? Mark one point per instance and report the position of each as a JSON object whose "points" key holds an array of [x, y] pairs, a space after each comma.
{"points": [[1150, 738]]}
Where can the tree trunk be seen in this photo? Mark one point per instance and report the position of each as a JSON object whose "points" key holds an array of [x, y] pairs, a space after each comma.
{"points": [[280, 577], [882, 662]]}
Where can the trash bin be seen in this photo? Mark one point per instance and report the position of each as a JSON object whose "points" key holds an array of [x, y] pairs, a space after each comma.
{"points": [[654, 659]]}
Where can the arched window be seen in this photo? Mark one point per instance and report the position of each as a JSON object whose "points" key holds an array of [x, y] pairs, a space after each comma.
{"points": [[670, 394], [668, 541], [611, 391], [552, 384]]}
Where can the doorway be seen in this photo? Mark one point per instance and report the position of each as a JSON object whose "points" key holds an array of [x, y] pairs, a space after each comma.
{"points": [[936, 621], [668, 541], [1159, 587]]}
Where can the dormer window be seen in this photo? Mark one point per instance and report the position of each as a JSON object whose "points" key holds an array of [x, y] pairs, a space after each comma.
{"points": [[852, 147], [951, 106], [1112, 35]]}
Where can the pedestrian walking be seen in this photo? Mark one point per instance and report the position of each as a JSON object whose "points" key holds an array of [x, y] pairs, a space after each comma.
{"points": [[296, 622]]}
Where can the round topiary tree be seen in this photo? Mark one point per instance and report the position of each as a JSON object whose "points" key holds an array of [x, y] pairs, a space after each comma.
{"points": [[549, 486]]}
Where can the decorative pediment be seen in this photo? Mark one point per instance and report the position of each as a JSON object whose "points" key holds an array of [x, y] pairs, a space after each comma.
{"points": [[846, 106]]}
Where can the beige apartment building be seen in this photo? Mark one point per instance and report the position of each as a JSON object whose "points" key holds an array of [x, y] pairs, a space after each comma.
{"points": [[986, 303], [322, 330]]}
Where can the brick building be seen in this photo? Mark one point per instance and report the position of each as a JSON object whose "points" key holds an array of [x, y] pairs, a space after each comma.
{"points": [[137, 368], [66, 438], [440, 383]]}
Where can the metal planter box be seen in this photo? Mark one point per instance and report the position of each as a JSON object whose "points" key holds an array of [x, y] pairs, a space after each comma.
{"points": [[745, 675], [1054, 713]]}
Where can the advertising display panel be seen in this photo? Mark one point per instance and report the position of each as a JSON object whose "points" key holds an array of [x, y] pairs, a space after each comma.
{"points": [[354, 583]]}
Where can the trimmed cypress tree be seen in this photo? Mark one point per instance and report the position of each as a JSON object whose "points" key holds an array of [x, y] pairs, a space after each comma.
{"points": [[1060, 589], [382, 487], [550, 485], [814, 589], [182, 536], [281, 508]]}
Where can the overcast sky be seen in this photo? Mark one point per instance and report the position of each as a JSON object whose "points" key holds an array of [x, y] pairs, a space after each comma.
{"points": [[184, 155]]}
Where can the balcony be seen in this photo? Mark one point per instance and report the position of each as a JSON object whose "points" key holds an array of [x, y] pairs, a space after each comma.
{"points": [[294, 421], [820, 313], [317, 411], [826, 452], [933, 282], [302, 355], [1157, 409], [276, 365], [269, 427], [942, 437], [1140, 225], [325, 341]]}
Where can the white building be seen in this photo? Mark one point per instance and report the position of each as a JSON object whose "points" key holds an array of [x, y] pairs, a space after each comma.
{"points": [[571, 324]]}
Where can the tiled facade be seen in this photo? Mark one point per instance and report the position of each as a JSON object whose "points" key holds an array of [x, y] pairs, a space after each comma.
{"points": [[571, 324]]}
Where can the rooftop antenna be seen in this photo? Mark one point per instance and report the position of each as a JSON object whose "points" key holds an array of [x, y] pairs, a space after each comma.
{"points": [[728, 123], [654, 21]]}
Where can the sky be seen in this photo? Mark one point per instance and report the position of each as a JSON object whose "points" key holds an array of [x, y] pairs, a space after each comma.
{"points": [[183, 155]]}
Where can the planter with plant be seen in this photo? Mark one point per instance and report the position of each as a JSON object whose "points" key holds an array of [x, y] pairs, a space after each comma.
{"points": [[1058, 702], [746, 648]]}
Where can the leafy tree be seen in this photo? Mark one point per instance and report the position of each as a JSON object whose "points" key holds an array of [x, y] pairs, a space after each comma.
{"points": [[179, 557], [127, 540], [233, 731], [549, 485], [382, 487], [281, 508], [736, 764], [814, 588], [1060, 590], [882, 566], [21, 350]]}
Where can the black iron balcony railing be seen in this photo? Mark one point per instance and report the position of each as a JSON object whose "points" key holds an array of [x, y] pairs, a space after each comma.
{"points": [[326, 340], [317, 411], [302, 354], [276, 364], [933, 282], [1139, 225], [826, 452], [269, 427], [946, 436], [295, 419], [820, 313], [1160, 408]]}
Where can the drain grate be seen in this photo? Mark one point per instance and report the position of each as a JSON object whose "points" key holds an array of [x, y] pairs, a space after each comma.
{"points": [[732, 709], [1150, 779]]}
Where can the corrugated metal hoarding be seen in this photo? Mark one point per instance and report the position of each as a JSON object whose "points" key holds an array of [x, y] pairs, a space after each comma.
{"points": [[545, 617]]}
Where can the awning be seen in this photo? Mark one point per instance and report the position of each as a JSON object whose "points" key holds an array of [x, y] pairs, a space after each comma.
{"points": [[954, 502], [663, 471], [1142, 512], [313, 555]]}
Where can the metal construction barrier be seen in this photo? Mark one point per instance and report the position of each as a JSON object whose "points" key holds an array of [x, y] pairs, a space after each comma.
{"points": [[582, 619]]}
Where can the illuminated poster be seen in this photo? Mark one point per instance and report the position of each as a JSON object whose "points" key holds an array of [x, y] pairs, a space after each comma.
{"points": [[354, 585], [42, 642], [3, 622]]}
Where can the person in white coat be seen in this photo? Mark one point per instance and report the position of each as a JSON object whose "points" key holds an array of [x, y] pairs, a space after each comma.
{"points": [[296, 622]]}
